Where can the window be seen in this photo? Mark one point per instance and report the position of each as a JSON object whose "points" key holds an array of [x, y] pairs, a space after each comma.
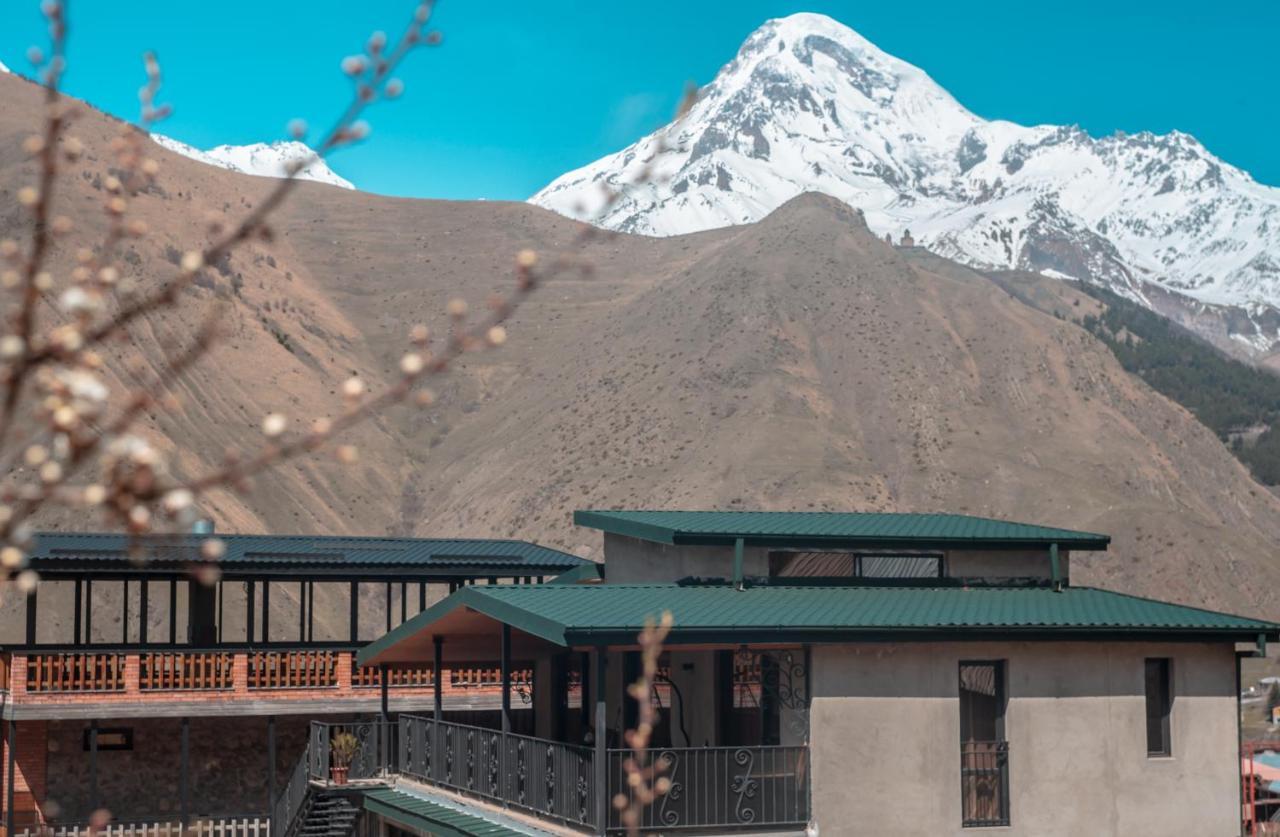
{"points": [[984, 753], [1159, 706], [110, 738], [852, 564]]}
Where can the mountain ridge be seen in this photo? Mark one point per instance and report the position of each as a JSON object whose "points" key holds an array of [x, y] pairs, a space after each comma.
{"points": [[807, 103]]}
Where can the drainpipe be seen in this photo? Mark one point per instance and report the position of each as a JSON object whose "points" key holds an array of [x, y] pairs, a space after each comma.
{"points": [[739, 580], [1055, 568]]}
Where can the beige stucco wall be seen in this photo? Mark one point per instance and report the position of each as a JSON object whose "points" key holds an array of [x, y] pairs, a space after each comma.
{"points": [[1021, 563], [885, 735], [629, 560]]}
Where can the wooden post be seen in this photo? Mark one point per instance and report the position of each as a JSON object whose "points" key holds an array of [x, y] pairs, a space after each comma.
{"points": [[31, 617], [124, 619], [184, 773], [142, 610], [88, 611], [77, 624], [10, 777], [388, 607], [404, 609], [93, 765], [302, 611], [422, 596], [506, 705], [584, 705], [249, 602], [355, 611], [601, 766], [266, 610], [384, 729], [173, 611], [271, 762], [311, 611], [437, 694]]}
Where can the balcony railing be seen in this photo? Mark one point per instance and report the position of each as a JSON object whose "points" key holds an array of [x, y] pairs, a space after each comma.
{"points": [[75, 672], [153, 674], [711, 787], [725, 787], [180, 670], [984, 783], [293, 669]]}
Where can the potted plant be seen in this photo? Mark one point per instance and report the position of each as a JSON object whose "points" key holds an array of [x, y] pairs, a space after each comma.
{"points": [[342, 749]]}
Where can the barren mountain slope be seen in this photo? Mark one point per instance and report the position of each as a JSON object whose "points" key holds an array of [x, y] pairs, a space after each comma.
{"points": [[795, 363]]}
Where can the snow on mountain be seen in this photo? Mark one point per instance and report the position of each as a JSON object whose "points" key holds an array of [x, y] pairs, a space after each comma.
{"points": [[810, 105], [260, 159]]}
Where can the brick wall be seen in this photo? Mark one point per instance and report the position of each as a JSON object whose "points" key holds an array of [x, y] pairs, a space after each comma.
{"points": [[31, 770]]}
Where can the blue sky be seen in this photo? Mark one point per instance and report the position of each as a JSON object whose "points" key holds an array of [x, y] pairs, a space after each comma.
{"points": [[521, 92]]}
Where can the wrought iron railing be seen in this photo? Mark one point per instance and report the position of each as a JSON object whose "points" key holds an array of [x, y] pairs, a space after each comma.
{"points": [[725, 787], [375, 749], [289, 805], [543, 777], [984, 783]]}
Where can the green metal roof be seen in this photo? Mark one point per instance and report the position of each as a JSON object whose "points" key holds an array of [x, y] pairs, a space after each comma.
{"points": [[432, 817], [577, 615], [91, 550], [873, 529]]}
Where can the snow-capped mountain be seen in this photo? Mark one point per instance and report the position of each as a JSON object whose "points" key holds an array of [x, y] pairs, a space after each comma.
{"points": [[810, 105], [260, 159]]}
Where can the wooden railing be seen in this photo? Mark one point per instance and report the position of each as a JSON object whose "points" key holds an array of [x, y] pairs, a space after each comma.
{"points": [[134, 674], [293, 669], [473, 678], [176, 670], [247, 826], [371, 677], [77, 672]]}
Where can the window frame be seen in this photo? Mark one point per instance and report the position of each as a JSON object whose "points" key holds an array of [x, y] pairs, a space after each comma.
{"points": [[1166, 701], [992, 761]]}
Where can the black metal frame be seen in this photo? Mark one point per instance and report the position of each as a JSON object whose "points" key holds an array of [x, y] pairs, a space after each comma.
{"points": [[984, 784]]}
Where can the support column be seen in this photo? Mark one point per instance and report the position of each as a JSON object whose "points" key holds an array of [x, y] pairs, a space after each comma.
{"points": [[143, 603], [77, 624], [184, 774], [600, 766], [31, 617], [271, 762], [388, 607], [10, 776], [355, 611], [173, 611], [124, 619], [302, 611], [94, 802], [506, 706], [250, 596], [88, 611], [437, 694], [384, 728], [266, 610], [311, 611]]}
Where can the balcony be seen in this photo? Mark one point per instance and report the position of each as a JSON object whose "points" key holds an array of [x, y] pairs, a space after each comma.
{"points": [[45, 681], [733, 788]]}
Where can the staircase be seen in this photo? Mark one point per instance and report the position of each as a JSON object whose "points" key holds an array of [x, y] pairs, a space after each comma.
{"points": [[330, 814]]}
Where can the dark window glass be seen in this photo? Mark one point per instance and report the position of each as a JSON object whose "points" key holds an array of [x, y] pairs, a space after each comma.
{"points": [[1159, 706], [900, 566]]}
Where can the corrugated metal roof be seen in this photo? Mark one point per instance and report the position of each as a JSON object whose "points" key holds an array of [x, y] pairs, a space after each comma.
{"points": [[849, 528], [304, 550], [582, 614], [433, 817]]}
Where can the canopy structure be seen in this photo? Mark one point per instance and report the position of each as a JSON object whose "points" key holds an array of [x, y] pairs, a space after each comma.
{"points": [[835, 530], [720, 614], [287, 554]]}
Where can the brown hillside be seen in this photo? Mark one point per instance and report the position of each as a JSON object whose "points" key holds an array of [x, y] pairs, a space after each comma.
{"points": [[798, 363]]}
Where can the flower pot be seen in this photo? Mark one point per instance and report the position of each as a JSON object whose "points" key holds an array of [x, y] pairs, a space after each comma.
{"points": [[338, 775]]}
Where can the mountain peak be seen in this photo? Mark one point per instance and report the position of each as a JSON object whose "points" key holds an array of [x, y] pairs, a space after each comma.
{"points": [[808, 104], [261, 159]]}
